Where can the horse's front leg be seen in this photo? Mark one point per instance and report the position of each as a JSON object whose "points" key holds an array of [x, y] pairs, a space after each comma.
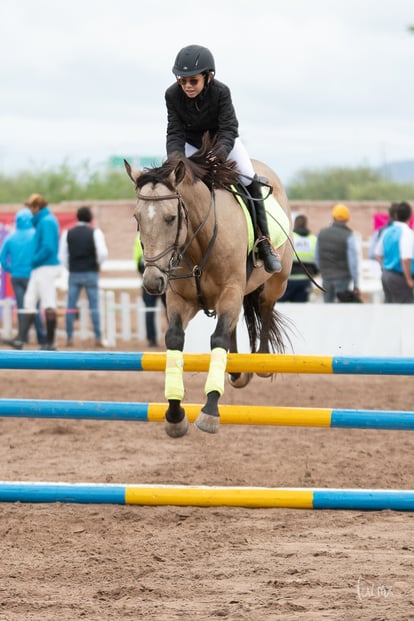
{"points": [[209, 418], [176, 423]]}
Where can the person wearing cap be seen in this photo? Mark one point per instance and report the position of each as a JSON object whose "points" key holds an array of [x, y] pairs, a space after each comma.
{"points": [[198, 103], [45, 269], [336, 255], [82, 250], [16, 259]]}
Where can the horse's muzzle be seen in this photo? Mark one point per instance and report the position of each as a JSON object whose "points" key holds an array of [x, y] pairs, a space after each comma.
{"points": [[154, 281]]}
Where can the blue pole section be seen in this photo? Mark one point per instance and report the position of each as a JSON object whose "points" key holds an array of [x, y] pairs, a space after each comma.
{"points": [[92, 410], [363, 500], [71, 361], [62, 492], [372, 419], [373, 366]]}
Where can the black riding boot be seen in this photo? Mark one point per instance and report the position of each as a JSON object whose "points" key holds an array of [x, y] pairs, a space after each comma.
{"points": [[26, 320], [51, 321], [271, 261]]}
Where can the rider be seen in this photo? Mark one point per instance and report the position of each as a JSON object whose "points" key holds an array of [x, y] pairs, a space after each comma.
{"points": [[197, 103]]}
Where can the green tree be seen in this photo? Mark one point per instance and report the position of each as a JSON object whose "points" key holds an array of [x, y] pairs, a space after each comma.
{"points": [[83, 182], [66, 183], [346, 184]]}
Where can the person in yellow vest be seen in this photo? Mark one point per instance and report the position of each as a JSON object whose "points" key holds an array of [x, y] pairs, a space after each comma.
{"points": [[299, 286], [149, 299]]}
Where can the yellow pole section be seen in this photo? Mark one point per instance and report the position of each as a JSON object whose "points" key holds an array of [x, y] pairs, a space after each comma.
{"points": [[248, 363], [278, 363], [199, 496], [253, 415]]}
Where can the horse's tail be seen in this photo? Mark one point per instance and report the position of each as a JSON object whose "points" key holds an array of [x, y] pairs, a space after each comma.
{"points": [[271, 331]]}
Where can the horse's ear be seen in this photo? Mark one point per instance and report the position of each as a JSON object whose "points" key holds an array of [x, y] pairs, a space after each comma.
{"points": [[179, 172], [133, 173]]}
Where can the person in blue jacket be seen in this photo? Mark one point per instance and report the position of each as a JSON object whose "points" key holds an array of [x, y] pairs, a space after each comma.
{"points": [[16, 259], [45, 269]]}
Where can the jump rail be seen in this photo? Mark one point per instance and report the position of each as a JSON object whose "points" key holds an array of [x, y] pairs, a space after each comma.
{"points": [[229, 414], [236, 363], [203, 496]]}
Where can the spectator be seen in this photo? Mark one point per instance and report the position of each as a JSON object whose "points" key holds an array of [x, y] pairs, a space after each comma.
{"points": [[395, 251], [82, 251], [299, 285], [149, 299], [377, 234], [337, 258], [16, 259], [45, 269]]}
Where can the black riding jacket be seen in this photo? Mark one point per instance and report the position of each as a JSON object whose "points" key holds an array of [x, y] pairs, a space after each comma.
{"points": [[212, 110]]}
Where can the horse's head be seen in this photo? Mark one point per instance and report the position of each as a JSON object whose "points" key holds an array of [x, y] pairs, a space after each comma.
{"points": [[161, 220]]}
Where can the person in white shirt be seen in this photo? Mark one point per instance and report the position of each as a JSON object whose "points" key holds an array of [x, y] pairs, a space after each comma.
{"points": [[82, 250]]}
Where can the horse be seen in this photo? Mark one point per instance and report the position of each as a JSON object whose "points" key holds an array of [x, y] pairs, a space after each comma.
{"points": [[194, 235]]}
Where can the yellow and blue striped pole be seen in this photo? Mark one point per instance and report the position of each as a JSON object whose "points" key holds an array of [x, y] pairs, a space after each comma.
{"points": [[229, 414], [236, 363], [203, 496]]}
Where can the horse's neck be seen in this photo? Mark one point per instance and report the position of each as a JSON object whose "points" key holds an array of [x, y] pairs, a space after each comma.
{"points": [[201, 216]]}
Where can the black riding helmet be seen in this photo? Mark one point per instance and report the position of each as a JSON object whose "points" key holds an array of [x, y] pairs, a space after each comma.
{"points": [[193, 59]]}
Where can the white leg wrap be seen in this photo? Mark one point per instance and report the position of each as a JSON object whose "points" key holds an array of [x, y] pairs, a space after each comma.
{"points": [[174, 384], [216, 372]]}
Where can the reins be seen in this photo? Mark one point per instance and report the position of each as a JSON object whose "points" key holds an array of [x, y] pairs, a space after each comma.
{"points": [[245, 196]]}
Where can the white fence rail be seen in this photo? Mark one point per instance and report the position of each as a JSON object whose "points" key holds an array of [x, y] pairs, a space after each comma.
{"points": [[123, 319]]}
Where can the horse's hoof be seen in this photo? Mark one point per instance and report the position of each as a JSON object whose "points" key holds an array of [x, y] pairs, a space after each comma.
{"points": [[207, 422], [239, 380], [176, 430]]}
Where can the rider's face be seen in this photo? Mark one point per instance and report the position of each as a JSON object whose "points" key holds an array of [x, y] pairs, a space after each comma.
{"points": [[193, 85]]}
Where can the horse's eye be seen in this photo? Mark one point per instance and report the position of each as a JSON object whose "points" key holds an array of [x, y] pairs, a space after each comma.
{"points": [[169, 219]]}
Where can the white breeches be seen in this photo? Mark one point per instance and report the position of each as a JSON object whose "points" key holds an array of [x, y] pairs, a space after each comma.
{"points": [[42, 288], [239, 155]]}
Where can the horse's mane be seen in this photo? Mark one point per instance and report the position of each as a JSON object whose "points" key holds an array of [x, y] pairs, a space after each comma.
{"points": [[219, 175]]}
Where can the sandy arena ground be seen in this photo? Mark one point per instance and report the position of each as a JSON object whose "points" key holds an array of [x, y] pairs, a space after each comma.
{"points": [[67, 562]]}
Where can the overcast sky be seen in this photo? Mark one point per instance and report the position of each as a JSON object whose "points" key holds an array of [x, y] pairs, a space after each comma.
{"points": [[315, 83]]}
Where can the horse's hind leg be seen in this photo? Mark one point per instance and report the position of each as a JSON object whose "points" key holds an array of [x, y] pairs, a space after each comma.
{"points": [[237, 380], [176, 423]]}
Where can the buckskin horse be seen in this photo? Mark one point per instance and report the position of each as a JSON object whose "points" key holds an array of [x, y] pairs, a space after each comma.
{"points": [[196, 239]]}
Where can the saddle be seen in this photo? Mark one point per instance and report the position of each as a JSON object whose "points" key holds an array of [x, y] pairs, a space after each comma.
{"points": [[277, 219]]}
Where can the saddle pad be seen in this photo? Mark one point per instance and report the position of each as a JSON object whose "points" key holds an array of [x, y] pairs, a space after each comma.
{"points": [[277, 220]]}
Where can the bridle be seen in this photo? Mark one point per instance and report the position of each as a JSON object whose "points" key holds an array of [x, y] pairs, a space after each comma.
{"points": [[174, 248], [179, 253]]}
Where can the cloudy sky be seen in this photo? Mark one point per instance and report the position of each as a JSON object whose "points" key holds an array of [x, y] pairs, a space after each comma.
{"points": [[315, 83]]}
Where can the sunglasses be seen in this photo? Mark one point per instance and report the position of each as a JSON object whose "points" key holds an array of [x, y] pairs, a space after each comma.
{"points": [[191, 81]]}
